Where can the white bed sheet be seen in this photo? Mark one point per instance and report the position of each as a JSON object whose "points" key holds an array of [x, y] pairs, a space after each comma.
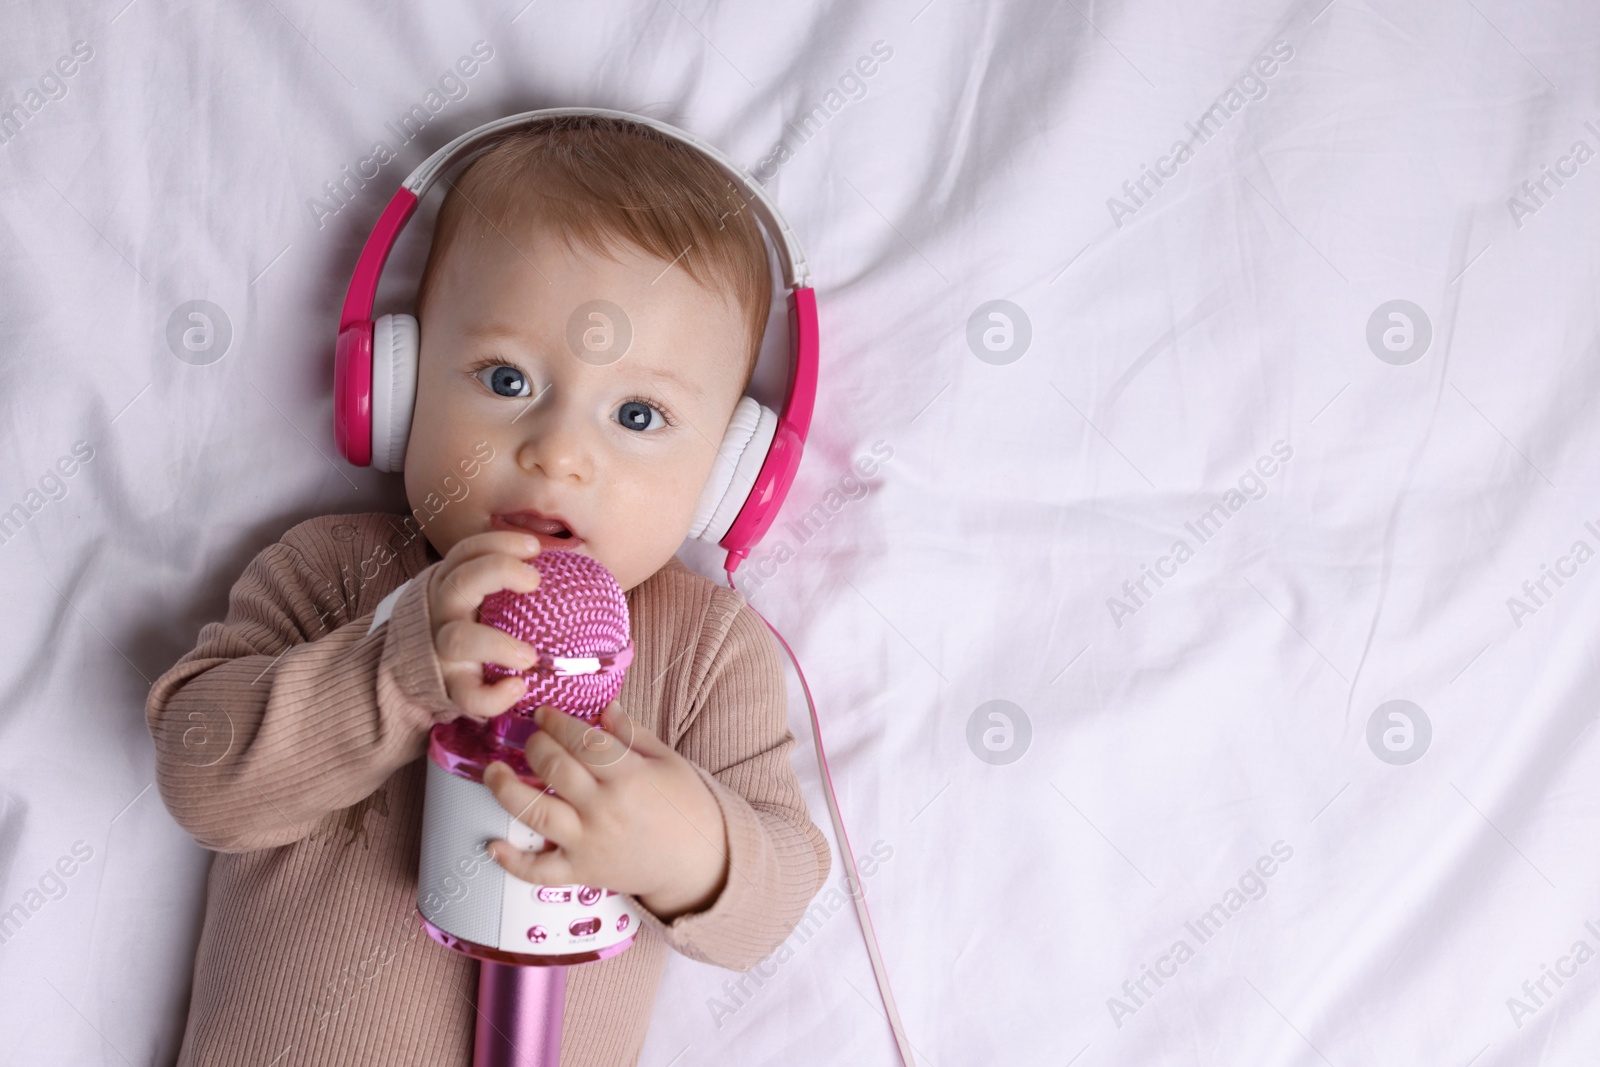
{"points": [[1172, 743]]}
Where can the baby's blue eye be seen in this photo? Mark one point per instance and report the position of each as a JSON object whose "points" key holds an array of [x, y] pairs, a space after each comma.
{"points": [[505, 381], [635, 415]]}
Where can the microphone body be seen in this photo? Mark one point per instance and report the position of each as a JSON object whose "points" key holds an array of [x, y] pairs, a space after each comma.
{"points": [[578, 620]]}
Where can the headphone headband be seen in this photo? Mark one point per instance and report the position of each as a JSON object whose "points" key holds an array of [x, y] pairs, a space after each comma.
{"points": [[796, 273]]}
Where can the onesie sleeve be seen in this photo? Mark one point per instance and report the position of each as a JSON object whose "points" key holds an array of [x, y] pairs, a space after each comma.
{"points": [[739, 742], [288, 709]]}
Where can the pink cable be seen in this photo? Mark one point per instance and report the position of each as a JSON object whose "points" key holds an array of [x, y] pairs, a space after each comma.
{"points": [[902, 1042]]}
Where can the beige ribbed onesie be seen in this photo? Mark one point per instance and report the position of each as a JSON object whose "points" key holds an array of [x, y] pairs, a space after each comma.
{"points": [[292, 742]]}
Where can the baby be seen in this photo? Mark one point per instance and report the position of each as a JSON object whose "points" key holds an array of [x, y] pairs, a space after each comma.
{"points": [[292, 741]]}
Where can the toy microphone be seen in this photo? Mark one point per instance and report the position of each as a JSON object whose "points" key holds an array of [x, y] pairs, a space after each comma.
{"points": [[525, 935]]}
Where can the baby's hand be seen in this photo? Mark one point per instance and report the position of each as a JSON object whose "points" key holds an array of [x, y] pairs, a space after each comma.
{"points": [[628, 814], [477, 566]]}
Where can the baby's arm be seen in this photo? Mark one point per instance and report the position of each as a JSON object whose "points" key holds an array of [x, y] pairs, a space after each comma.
{"points": [[288, 709], [738, 740]]}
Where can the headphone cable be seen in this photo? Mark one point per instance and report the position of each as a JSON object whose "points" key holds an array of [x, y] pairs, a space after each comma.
{"points": [[857, 893]]}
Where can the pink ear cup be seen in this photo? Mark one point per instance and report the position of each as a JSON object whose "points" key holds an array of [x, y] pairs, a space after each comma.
{"points": [[788, 442], [352, 393], [578, 610], [352, 357]]}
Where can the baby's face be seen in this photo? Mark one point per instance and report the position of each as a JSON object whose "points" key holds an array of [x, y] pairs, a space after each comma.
{"points": [[617, 448]]}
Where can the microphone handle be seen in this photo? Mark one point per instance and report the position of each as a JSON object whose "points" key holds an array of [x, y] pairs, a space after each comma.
{"points": [[519, 1015]]}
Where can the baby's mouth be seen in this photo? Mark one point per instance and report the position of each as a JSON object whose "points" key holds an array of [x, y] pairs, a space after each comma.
{"points": [[552, 532]]}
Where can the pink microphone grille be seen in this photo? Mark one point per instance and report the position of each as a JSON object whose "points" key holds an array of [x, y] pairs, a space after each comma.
{"points": [[578, 610]]}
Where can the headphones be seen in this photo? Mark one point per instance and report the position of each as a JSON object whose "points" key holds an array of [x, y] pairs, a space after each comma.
{"points": [[375, 362]]}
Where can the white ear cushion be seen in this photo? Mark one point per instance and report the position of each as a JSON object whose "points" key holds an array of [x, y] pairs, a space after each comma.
{"points": [[739, 459], [394, 388]]}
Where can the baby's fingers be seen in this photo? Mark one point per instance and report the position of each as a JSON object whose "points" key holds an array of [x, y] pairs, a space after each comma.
{"points": [[463, 684], [521, 545], [475, 644], [542, 866], [458, 592]]}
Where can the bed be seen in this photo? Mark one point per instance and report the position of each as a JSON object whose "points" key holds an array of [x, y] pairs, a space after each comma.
{"points": [[1190, 558]]}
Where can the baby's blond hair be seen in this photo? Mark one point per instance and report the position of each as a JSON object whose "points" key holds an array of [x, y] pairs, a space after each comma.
{"points": [[597, 181]]}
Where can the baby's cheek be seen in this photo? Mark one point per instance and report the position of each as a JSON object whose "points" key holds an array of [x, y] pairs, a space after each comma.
{"points": [[456, 524]]}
